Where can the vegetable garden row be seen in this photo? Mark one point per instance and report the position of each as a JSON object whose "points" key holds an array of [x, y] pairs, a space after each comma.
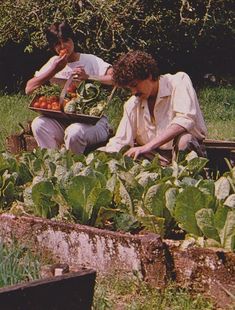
{"points": [[114, 192]]}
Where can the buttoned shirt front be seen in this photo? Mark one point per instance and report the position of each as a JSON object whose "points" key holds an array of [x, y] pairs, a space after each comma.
{"points": [[176, 103]]}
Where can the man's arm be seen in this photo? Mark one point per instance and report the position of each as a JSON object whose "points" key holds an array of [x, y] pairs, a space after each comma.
{"points": [[169, 134], [80, 74], [35, 82]]}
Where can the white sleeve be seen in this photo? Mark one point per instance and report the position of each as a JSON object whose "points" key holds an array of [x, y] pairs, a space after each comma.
{"points": [[99, 65], [45, 67], [184, 103], [126, 132]]}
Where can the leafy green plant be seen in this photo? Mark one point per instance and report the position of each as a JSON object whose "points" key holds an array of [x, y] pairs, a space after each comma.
{"points": [[115, 192]]}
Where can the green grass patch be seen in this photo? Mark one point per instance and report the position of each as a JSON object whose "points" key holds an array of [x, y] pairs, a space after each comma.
{"points": [[17, 264], [123, 292], [218, 106], [13, 110]]}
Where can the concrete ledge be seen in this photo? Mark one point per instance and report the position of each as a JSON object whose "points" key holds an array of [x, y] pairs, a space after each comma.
{"points": [[102, 250], [210, 271]]}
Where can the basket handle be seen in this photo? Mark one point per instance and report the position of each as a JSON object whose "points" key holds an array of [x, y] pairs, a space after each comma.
{"points": [[111, 95]]}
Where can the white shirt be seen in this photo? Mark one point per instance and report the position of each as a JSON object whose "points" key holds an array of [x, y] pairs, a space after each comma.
{"points": [[92, 64], [176, 103]]}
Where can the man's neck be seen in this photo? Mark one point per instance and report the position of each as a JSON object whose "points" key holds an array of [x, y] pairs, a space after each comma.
{"points": [[74, 57], [152, 98]]}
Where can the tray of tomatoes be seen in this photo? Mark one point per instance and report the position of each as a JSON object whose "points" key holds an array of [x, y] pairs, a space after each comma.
{"points": [[49, 105]]}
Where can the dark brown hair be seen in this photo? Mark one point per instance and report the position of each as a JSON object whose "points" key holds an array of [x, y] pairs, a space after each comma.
{"points": [[134, 65], [59, 31]]}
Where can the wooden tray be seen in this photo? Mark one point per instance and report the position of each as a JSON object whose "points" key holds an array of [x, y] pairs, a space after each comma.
{"points": [[71, 117]]}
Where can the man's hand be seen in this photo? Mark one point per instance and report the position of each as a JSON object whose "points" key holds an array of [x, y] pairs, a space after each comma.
{"points": [[136, 151], [80, 74], [59, 63]]}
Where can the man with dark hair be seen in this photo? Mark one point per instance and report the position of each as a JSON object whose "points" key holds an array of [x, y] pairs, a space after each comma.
{"points": [[163, 114], [49, 132]]}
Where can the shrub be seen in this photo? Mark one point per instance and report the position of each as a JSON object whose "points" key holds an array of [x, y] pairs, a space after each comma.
{"points": [[184, 35]]}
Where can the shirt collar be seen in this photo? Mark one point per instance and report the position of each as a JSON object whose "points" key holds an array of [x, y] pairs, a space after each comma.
{"points": [[165, 88]]}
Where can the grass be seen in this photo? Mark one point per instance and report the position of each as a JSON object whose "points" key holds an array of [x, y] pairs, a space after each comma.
{"points": [[125, 293], [218, 105], [13, 110], [17, 264]]}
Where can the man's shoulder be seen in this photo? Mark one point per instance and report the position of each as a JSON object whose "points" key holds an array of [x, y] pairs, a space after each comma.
{"points": [[179, 77], [90, 57]]}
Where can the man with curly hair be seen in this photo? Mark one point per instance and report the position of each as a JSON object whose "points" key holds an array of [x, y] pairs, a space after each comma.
{"points": [[163, 113]]}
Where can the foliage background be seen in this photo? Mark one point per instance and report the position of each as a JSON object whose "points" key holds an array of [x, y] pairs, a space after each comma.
{"points": [[194, 36]]}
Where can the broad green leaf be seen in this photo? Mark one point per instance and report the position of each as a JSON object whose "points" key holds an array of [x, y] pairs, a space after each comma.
{"points": [[205, 221], [191, 156], [196, 165], [188, 181], [129, 192], [225, 224], [128, 162], [87, 171], [112, 183], [113, 165], [24, 174], [222, 188], [153, 224], [101, 178], [77, 195], [123, 197], [105, 215], [230, 201], [98, 197], [126, 222], [76, 168], [171, 195], [42, 193], [9, 191], [188, 202], [207, 186], [154, 199], [146, 178], [136, 169], [4, 165]]}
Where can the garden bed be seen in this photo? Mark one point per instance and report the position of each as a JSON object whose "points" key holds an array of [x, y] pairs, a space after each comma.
{"points": [[210, 271]]}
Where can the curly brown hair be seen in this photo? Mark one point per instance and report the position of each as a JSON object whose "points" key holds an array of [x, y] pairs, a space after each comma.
{"points": [[134, 65]]}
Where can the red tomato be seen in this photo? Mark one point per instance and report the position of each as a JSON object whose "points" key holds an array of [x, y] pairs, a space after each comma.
{"points": [[36, 104], [49, 106], [63, 52], [55, 106], [53, 98], [42, 98], [72, 88], [43, 105]]}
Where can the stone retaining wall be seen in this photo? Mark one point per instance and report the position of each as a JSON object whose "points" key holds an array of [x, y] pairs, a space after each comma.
{"points": [[157, 261]]}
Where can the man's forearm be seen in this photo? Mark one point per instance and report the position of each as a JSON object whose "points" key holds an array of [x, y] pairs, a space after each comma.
{"points": [[104, 79], [36, 82], [169, 134]]}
